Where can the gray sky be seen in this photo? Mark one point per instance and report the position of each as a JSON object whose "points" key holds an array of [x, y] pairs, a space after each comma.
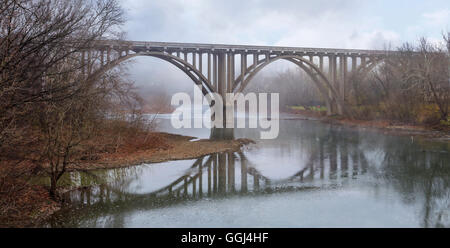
{"points": [[320, 23]]}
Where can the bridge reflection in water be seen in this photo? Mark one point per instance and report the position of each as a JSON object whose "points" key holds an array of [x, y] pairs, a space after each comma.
{"points": [[225, 174]]}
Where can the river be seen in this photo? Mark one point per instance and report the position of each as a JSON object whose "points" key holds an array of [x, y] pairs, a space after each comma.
{"points": [[313, 175]]}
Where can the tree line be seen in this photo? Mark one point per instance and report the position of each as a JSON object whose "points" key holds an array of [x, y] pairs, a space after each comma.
{"points": [[410, 86]]}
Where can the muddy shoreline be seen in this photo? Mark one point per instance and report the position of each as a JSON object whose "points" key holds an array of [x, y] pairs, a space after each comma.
{"points": [[176, 147]]}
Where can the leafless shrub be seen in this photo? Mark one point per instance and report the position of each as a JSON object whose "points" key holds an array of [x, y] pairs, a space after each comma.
{"points": [[412, 86]]}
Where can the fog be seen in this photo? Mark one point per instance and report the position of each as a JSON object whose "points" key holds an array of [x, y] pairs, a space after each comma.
{"points": [[338, 24]]}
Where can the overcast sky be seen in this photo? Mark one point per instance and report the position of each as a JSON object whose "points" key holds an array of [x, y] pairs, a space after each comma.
{"points": [[319, 23]]}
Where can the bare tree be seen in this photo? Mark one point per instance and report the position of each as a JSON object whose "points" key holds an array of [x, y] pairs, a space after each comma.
{"points": [[412, 86], [36, 36], [430, 68], [46, 94]]}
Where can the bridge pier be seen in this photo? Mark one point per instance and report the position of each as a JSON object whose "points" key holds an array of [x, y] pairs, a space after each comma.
{"points": [[222, 69]]}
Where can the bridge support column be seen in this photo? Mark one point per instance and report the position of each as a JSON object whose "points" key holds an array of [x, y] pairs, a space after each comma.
{"points": [[363, 62], [222, 76], [229, 111], [209, 68], [337, 76], [353, 64], [200, 62], [224, 85], [332, 73], [342, 76], [321, 63], [215, 72], [244, 65], [230, 57], [345, 83]]}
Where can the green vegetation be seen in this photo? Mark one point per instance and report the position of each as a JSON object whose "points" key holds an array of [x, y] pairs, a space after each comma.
{"points": [[310, 108], [297, 107]]}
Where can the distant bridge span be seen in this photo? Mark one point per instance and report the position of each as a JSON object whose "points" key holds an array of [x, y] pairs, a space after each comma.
{"points": [[224, 68]]}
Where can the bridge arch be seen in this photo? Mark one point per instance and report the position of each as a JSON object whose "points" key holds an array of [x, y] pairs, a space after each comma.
{"points": [[321, 81], [197, 77], [363, 70]]}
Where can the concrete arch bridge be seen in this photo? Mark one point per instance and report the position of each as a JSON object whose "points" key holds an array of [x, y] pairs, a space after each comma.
{"points": [[219, 68]]}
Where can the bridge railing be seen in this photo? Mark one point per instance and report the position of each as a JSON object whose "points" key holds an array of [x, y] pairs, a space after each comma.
{"points": [[240, 48]]}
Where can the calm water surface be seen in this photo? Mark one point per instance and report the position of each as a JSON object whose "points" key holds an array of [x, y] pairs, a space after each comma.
{"points": [[312, 175]]}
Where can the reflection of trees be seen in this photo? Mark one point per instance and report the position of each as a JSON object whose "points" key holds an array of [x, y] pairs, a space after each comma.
{"points": [[100, 184], [422, 176]]}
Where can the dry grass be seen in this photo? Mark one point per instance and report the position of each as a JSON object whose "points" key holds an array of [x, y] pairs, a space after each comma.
{"points": [[22, 204]]}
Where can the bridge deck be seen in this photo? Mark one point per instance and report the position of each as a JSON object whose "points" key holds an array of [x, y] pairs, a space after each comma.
{"points": [[176, 46]]}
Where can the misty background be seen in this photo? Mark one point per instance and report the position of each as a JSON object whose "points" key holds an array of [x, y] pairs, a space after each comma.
{"points": [[353, 24]]}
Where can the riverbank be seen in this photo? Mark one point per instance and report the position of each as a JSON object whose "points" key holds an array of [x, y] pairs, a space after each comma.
{"points": [[30, 205], [171, 147], [438, 133]]}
